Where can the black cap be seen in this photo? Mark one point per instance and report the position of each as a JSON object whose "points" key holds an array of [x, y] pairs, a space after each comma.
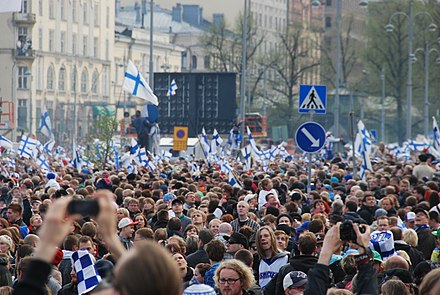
{"points": [[238, 238], [176, 200]]}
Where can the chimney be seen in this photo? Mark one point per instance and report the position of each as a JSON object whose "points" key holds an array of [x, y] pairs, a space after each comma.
{"points": [[192, 14], [137, 9], [177, 13], [218, 19], [144, 6]]}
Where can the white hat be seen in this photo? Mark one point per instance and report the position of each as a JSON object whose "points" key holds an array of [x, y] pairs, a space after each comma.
{"points": [[249, 197], [126, 222]]}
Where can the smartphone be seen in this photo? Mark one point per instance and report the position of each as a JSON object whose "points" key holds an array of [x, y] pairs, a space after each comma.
{"points": [[83, 207]]}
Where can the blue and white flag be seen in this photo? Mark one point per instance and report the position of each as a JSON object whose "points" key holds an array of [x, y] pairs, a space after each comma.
{"points": [[45, 123], [233, 181], [43, 164], [363, 147], [225, 166], [48, 146], [88, 276], [27, 147], [149, 164], [136, 85], [246, 153], [436, 133], [76, 161], [215, 142], [141, 156], [205, 143], [255, 151], [134, 147], [172, 89], [6, 143]]}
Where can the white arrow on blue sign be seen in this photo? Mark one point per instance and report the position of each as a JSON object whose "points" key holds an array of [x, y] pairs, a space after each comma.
{"points": [[312, 98], [310, 137]]}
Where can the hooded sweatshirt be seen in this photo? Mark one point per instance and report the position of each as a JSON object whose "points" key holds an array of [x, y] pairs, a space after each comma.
{"points": [[268, 268]]}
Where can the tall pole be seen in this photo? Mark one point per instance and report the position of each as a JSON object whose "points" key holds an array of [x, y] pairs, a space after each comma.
{"points": [[409, 82], [382, 105], [338, 64], [151, 76], [425, 113], [243, 70]]}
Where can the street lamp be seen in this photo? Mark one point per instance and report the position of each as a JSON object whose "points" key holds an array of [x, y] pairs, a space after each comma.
{"points": [[243, 70], [28, 74], [389, 28], [382, 101], [426, 51]]}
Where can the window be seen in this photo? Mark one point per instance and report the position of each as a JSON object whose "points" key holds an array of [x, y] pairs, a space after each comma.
{"points": [[184, 60], [73, 80], [62, 10], [22, 114], [23, 77], [74, 43], [96, 15], [85, 45], [51, 9], [62, 42], [74, 14], [327, 41], [40, 38], [107, 17], [105, 85], [107, 49], [328, 2], [194, 62], [50, 78], [51, 40], [84, 78], [25, 6], [85, 15], [95, 47], [62, 79], [40, 7], [207, 62], [328, 22], [95, 82], [22, 32]]}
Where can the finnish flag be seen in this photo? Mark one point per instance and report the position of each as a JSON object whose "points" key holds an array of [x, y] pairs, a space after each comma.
{"points": [[45, 123], [205, 142], [42, 163], [172, 89], [136, 85], [27, 147], [6, 143], [215, 142], [436, 132], [232, 181], [76, 162]]}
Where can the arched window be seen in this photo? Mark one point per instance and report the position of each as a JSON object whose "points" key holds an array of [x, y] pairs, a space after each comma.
{"points": [[84, 79], [50, 78], [95, 82], [74, 80], [62, 79]]}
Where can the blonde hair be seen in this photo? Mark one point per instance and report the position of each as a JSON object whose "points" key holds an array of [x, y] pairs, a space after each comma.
{"points": [[273, 242], [246, 277], [410, 237]]}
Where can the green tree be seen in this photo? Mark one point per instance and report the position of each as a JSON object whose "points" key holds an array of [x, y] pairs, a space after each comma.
{"points": [[104, 130]]}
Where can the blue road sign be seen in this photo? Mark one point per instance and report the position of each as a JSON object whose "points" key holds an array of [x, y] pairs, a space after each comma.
{"points": [[373, 134], [310, 137], [312, 98]]}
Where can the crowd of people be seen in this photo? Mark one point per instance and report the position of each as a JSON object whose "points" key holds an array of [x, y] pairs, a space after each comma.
{"points": [[180, 231]]}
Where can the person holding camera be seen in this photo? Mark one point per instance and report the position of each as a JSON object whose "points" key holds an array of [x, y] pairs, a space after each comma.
{"points": [[319, 276]]}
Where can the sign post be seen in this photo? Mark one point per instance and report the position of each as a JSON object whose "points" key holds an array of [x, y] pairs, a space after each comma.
{"points": [[180, 139]]}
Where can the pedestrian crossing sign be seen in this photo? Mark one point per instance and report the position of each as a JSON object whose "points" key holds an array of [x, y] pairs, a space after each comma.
{"points": [[312, 98]]}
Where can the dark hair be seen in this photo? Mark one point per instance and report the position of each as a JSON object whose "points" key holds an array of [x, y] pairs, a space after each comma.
{"points": [[307, 243], [215, 250], [245, 256], [146, 233], [316, 225], [70, 242], [351, 205], [174, 223], [16, 208], [397, 233], [206, 236]]}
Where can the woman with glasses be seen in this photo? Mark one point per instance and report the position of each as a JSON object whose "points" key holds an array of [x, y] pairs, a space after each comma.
{"points": [[233, 277]]}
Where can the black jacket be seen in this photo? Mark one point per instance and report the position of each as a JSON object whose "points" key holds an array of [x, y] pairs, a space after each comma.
{"points": [[200, 256], [354, 217], [302, 263], [426, 242], [34, 279], [367, 213], [414, 255]]}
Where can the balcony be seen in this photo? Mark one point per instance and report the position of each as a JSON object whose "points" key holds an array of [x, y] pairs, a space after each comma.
{"points": [[24, 18], [21, 54]]}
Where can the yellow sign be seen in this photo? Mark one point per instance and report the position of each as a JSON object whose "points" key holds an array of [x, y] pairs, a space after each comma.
{"points": [[180, 138]]}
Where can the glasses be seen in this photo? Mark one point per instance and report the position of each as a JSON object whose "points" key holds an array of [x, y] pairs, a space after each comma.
{"points": [[230, 281]]}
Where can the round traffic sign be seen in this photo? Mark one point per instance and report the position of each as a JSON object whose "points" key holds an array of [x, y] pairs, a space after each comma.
{"points": [[310, 137]]}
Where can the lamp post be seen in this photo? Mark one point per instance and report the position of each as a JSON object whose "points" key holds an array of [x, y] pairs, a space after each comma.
{"points": [[382, 101], [389, 28], [243, 71], [28, 74], [426, 53], [151, 75]]}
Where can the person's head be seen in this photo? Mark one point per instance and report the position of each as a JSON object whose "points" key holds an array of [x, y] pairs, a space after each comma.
{"points": [[266, 242], [215, 250], [31, 240], [245, 256], [198, 217], [191, 230], [141, 221], [122, 213], [383, 223], [14, 212], [87, 244], [394, 287], [6, 244], [233, 276], [369, 200], [410, 237], [282, 239], [143, 234], [200, 271], [133, 205], [177, 207], [386, 203], [126, 228], [431, 283], [284, 219], [71, 243], [36, 221], [129, 275], [181, 262], [294, 283], [214, 226], [307, 243], [396, 262], [422, 217], [236, 242]]}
